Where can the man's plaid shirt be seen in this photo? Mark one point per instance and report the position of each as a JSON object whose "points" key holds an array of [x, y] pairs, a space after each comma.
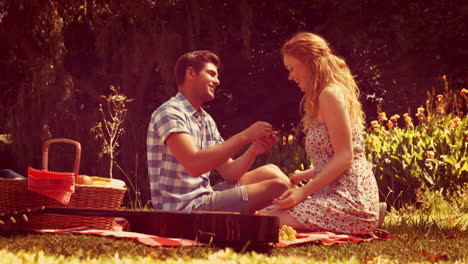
{"points": [[172, 186]]}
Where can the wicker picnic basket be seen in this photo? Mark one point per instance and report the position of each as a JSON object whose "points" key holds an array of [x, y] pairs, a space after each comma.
{"points": [[15, 197]]}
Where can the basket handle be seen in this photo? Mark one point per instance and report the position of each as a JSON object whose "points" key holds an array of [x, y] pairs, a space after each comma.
{"points": [[45, 155]]}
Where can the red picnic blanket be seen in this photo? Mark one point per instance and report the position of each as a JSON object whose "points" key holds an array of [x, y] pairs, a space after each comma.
{"points": [[326, 238], [329, 238], [149, 240]]}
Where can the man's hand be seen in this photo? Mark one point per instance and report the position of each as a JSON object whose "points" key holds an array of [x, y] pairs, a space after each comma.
{"points": [[263, 144], [258, 130], [290, 198]]}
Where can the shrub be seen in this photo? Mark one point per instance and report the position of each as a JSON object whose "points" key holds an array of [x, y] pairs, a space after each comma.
{"points": [[432, 153], [288, 153]]}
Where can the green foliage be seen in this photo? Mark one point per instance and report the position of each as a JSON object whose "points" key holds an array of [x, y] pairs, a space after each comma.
{"points": [[433, 212], [288, 154], [433, 153]]}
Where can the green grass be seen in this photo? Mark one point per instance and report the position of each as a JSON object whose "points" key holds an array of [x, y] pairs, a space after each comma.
{"points": [[432, 230]]}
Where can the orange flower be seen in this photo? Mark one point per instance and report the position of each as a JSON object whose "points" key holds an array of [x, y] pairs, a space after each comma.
{"points": [[454, 122], [382, 117], [390, 124], [444, 78], [408, 119], [420, 114], [417, 135], [375, 124], [395, 118], [371, 141], [430, 154], [439, 97], [464, 92]]}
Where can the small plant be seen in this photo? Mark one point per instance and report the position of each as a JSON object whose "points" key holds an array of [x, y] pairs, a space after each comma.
{"points": [[109, 130]]}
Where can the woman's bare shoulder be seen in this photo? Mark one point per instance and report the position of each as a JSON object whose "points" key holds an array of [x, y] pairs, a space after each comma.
{"points": [[331, 99], [332, 94]]}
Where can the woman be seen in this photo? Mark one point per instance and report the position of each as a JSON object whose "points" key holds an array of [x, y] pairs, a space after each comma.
{"points": [[341, 195]]}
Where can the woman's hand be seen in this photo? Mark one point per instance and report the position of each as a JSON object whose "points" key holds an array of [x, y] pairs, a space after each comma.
{"points": [[299, 176], [290, 198], [296, 177]]}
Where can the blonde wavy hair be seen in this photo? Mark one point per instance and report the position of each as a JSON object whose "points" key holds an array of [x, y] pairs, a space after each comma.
{"points": [[326, 69]]}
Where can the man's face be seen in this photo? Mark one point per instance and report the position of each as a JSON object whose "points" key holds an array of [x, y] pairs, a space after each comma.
{"points": [[206, 82]]}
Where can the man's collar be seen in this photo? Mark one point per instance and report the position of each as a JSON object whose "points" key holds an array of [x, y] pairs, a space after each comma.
{"points": [[188, 106]]}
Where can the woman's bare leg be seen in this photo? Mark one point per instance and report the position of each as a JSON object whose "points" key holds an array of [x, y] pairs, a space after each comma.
{"points": [[285, 218]]}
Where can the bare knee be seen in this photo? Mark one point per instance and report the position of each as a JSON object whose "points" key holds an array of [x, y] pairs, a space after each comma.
{"points": [[278, 185], [261, 194], [267, 189], [265, 173], [272, 170]]}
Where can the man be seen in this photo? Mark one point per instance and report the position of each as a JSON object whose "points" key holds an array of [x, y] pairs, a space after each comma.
{"points": [[184, 145]]}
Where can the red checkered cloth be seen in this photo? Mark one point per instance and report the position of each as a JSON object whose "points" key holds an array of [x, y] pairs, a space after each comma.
{"points": [[56, 185], [149, 240], [325, 238]]}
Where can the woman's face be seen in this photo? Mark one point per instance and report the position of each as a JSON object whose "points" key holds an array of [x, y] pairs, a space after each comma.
{"points": [[297, 71]]}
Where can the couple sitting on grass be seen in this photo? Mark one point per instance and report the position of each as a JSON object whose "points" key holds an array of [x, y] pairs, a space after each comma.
{"points": [[184, 145]]}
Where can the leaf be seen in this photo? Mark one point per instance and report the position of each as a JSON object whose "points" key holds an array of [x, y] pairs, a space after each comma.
{"points": [[450, 159], [428, 178], [434, 257], [464, 167]]}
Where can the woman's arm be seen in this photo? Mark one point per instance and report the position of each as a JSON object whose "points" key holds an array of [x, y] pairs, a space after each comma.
{"points": [[299, 175], [333, 113]]}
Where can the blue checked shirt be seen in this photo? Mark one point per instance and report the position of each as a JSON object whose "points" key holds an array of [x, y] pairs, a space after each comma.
{"points": [[172, 186]]}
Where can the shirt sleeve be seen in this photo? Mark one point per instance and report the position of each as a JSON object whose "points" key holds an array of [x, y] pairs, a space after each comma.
{"points": [[170, 120], [214, 131]]}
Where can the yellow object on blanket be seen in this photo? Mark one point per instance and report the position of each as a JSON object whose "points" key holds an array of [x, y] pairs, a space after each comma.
{"points": [[287, 233]]}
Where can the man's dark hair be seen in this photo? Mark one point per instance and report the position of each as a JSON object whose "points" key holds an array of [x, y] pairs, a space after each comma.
{"points": [[195, 59]]}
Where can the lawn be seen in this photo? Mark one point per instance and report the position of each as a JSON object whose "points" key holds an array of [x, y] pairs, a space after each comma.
{"points": [[433, 230]]}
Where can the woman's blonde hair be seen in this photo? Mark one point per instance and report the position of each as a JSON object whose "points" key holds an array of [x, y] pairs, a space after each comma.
{"points": [[325, 69]]}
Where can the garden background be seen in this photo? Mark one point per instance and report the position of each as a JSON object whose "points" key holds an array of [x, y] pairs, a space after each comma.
{"points": [[58, 58]]}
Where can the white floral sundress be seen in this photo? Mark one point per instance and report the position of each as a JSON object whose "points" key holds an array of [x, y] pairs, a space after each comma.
{"points": [[348, 205]]}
